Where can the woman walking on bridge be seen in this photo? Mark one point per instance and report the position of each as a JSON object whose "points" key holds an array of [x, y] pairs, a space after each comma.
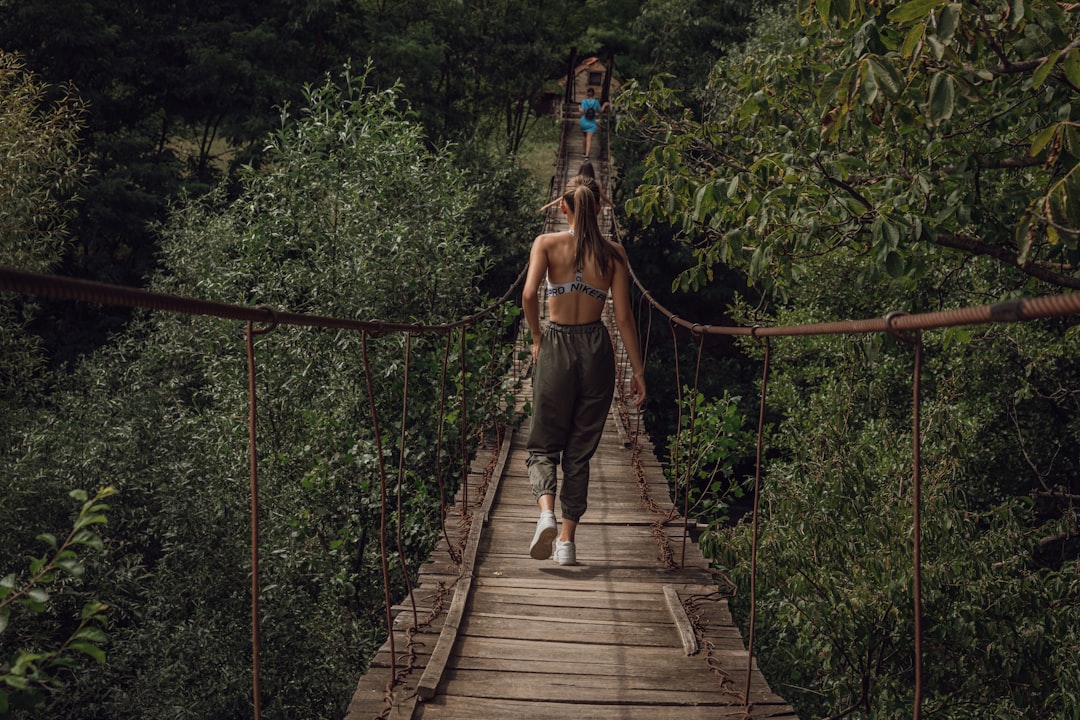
{"points": [[574, 376], [590, 112]]}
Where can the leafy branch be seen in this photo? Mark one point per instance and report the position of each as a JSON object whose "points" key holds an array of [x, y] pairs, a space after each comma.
{"points": [[25, 677]]}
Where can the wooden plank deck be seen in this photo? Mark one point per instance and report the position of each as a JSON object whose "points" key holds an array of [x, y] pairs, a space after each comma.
{"points": [[532, 638], [500, 635]]}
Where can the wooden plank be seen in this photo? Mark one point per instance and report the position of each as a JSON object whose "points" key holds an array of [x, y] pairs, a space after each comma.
{"points": [[612, 617], [437, 665], [468, 708], [560, 649], [557, 582], [570, 600], [655, 635], [587, 683], [589, 573], [682, 622], [613, 547], [370, 698], [592, 689], [667, 664], [585, 633], [495, 480], [652, 613], [422, 643], [429, 682]]}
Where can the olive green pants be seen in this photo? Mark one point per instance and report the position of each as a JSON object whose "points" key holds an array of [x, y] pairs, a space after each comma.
{"points": [[573, 384]]}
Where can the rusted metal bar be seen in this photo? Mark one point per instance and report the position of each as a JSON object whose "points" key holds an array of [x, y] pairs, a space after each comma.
{"points": [[464, 433], [690, 450], [382, 516], [62, 288], [1006, 311], [438, 452], [915, 340], [401, 481], [754, 530]]}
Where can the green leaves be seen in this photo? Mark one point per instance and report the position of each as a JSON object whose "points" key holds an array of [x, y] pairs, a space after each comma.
{"points": [[28, 673], [834, 556], [914, 10], [353, 215], [920, 98], [1044, 69], [39, 168], [711, 441], [942, 100], [1071, 66], [43, 570], [894, 162], [887, 77]]}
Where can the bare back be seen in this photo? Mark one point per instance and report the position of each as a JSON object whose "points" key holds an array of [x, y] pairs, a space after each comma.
{"points": [[572, 308], [553, 258]]}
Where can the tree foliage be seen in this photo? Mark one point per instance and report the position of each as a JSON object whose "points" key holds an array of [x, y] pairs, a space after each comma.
{"points": [[999, 576], [703, 456], [852, 159], [352, 215], [40, 167], [906, 134], [180, 95]]}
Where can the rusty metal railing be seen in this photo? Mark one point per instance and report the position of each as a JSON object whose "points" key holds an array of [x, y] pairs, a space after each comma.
{"points": [[908, 329], [260, 320]]}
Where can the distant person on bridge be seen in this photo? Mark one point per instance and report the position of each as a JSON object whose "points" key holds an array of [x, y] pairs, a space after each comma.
{"points": [[574, 375], [587, 170], [590, 112]]}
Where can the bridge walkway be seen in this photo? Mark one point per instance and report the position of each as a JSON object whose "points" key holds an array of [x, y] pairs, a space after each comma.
{"points": [[625, 634]]}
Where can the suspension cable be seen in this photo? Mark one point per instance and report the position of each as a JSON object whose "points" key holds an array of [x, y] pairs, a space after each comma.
{"points": [[64, 288]]}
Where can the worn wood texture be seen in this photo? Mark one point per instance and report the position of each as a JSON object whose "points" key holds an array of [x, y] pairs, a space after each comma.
{"points": [[504, 636]]}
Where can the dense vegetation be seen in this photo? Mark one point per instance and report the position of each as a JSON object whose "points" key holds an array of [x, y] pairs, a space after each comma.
{"points": [[337, 223], [852, 159], [835, 160]]}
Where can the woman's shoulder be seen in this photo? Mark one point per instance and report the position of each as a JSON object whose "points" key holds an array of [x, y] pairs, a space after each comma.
{"points": [[619, 249], [552, 238]]}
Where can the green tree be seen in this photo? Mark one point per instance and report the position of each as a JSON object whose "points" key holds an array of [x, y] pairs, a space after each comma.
{"points": [[682, 38], [835, 619], [903, 134], [40, 169], [351, 215], [851, 160], [174, 93], [473, 70]]}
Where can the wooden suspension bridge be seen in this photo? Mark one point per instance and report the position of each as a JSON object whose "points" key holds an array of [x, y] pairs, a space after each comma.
{"points": [[627, 633]]}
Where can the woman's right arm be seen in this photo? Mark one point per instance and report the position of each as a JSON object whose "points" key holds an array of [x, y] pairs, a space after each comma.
{"points": [[624, 320], [530, 295]]}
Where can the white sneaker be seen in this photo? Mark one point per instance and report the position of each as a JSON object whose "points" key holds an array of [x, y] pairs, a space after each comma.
{"points": [[546, 530], [565, 553]]}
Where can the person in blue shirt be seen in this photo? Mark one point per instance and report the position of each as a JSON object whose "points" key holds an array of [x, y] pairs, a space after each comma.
{"points": [[590, 113]]}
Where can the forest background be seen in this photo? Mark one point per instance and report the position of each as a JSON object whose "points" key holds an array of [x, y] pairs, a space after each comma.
{"points": [[776, 165]]}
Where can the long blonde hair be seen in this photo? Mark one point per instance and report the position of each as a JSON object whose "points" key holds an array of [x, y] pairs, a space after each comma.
{"points": [[582, 197]]}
